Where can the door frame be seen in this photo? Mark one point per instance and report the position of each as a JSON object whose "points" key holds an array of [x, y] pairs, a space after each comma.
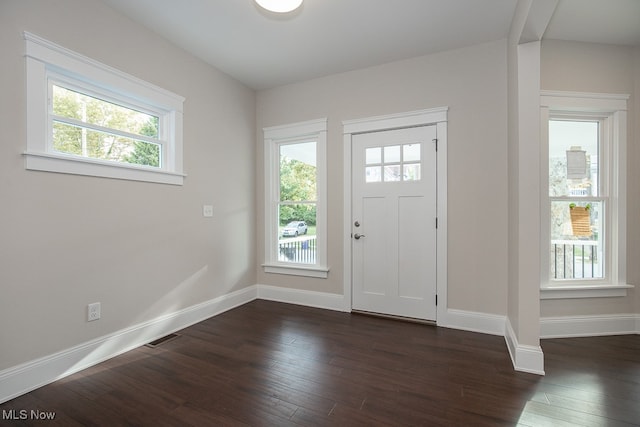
{"points": [[434, 116]]}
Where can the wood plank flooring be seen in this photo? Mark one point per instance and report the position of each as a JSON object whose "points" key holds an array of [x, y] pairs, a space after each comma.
{"points": [[273, 364]]}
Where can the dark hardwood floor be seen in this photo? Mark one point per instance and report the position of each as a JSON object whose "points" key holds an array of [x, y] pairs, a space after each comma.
{"points": [[274, 364]]}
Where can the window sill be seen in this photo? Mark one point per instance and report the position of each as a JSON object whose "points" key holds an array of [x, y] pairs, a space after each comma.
{"points": [[583, 291], [297, 270], [80, 166]]}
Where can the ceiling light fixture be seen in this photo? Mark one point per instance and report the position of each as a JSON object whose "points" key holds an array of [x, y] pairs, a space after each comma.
{"points": [[279, 6]]}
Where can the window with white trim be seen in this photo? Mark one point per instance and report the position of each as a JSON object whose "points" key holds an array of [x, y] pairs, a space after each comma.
{"points": [[578, 198], [584, 209], [86, 118], [295, 199]]}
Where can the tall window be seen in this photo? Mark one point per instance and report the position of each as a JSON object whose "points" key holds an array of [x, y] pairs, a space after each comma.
{"points": [[297, 208], [295, 199], [86, 118], [584, 227], [577, 198]]}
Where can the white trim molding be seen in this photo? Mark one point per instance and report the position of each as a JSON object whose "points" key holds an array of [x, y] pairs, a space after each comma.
{"points": [[297, 270], [76, 165], [396, 121], [525, 358], [589, 326], [328, 301], [568, 292], [484, 323], [26, 377], [583, 101], [21, 379]]}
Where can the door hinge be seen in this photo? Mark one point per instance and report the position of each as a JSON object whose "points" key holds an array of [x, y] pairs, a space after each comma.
{"points": [[436, 299], [436, 222], [435, 140]]}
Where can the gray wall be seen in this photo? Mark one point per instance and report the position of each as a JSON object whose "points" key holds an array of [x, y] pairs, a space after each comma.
{"points": [[145, 250], [587, 67], [141, 249], [472, 82]]}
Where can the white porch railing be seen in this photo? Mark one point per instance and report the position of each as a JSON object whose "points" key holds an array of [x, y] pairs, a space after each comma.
{"points": [[297, 249]]}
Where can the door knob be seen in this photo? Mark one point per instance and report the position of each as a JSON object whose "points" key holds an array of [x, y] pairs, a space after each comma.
{"points": [[357, 236]]}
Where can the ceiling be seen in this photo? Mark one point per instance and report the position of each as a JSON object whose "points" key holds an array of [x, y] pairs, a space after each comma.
{"points": [[324, 37]]}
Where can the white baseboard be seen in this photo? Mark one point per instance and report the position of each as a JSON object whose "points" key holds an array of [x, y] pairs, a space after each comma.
{"points": [[492, 324], [589, 326], [26, 377], [23, 378], [324, 300], [525, 358]]}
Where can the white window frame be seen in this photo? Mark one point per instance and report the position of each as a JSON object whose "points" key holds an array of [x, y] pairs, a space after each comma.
{"points": [[48, 63], [275, 136], [611, 111]]}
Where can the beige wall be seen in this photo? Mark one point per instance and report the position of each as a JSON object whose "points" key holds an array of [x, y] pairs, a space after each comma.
{"points": [[513, 129], [140, 249], [472, 83], [633, 249], [524, 192], [585, 67]]}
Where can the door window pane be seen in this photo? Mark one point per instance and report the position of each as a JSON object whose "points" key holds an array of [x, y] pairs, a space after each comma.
{"points": [[373, 174], [373, 155], [399, 163], [392, 173], [411, 172], [411, 152], [392, 154]]}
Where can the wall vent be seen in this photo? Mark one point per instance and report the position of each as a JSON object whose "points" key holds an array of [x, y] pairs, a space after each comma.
{"points": [[159, 341]]}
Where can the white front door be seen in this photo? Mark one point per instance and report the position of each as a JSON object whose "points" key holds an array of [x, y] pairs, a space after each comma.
{"points": [[394, 222]]}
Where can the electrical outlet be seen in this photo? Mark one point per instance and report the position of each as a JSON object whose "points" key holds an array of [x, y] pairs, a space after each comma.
{"points": [[207, 211], [93, 312]]}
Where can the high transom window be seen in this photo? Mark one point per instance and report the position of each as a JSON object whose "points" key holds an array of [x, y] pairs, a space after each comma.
{"points": [[89, 126], [86, 118]]}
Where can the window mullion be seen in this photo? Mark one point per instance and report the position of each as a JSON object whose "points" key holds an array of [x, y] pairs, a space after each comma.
{"points": [[301, 202], [577, 198], [98, 128]]}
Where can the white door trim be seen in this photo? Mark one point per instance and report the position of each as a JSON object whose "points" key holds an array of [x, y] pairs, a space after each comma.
{"points": [[434, 116]]}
